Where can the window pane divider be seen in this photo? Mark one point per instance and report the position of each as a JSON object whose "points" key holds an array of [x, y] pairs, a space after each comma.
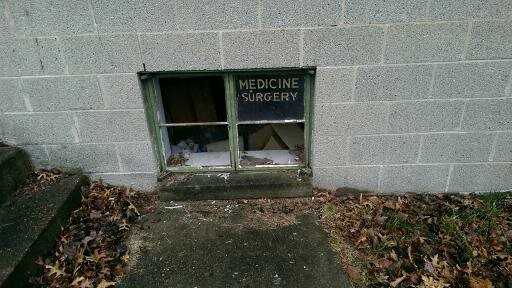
{"points": [[270, 121], [193, 124]]}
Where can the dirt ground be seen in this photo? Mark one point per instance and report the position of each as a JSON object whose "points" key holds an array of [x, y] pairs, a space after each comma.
{"points": [[422, 240]]}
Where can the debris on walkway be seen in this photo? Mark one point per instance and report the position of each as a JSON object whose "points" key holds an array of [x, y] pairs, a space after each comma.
{"points": [[422, 240], [90, 251]]}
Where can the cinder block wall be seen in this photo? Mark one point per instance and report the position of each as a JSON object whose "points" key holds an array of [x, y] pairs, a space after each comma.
{"points": [[409, 96]]}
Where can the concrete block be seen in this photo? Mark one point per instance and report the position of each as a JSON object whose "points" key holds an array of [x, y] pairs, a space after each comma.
{"points": [[137, 156], [350, 118], [216, 15], [115, 16], [426, 42], [290, 13], [382, 83], [343, 46], [10, 63], [89, 157], [334, 85], [40, 56], [140, 181], [329, 151], [39, 128], [456, 147], [5, 27], [156, 16], [490, 40], [503, 149], [30, 56], [63, 93], [382, 11], [471, 80], [356, 177], [121, 91], [52, 17], [102, 54], [38, 155], [425, 116], [112, 126], [10, 96], [181, 51], [481, 177], [261, 49], [388, 149], [469, 9], [488, 114], [414, 178]]}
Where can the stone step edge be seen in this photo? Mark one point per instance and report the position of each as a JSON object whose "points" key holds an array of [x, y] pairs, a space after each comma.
{"points": [[45, 241]]}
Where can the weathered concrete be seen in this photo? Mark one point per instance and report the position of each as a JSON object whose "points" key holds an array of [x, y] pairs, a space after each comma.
{"points": [[194, 247], [235, 186], [383, 67], [29, 226], [14, 167]]}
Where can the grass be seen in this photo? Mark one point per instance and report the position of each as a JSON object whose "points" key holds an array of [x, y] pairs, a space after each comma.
{"points": [[389, 237]]}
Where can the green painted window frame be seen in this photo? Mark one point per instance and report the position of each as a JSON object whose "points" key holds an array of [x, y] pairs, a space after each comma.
{"points": [[152, 104]]}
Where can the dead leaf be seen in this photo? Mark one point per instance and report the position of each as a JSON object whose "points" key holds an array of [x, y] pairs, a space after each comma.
{"points": [[397, 281], [354, 273], [475, 282], [104, 284]]}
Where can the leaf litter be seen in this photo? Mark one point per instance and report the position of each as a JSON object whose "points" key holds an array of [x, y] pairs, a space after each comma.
{"points": [[421, 240], [91, 250]]}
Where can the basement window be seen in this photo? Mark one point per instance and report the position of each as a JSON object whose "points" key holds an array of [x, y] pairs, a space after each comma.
{"points": [[230, 121]]}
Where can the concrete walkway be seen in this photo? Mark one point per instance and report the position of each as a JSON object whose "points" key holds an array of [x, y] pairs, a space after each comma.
{"points": [[232, 244]]}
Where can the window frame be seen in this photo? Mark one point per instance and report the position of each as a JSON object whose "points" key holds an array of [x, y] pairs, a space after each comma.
{"points": [[158, 128]]}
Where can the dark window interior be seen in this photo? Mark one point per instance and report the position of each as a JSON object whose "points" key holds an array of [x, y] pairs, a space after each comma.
{"points": [[194, 99]]}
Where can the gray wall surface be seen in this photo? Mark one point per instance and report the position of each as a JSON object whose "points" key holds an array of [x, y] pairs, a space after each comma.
{"points": [[409, 96]]}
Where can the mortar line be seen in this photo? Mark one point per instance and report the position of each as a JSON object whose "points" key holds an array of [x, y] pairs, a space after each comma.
{"points": [[301, 48], [384, 44], [221, 46], [354, 79], [76, 130], [259, 12], [77, 111], [26, 98], [379, 181], [467, 40], [323, 67], [415, 164], [348, 145], [429, 6], [417, 100], [122, 172], [140, 51], [47, 154], [422, 141], [91, 10], [448, 178], [493, 146], [104, 143], [508, 88], [118, 156], [103, 96], [462, 115], [343, 12], [61, 52], [432, 81], [426, 22]]}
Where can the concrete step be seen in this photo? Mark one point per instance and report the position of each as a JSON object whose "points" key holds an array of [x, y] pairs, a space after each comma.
{"points": [[211, 186], [29, 226], [14, 168]]}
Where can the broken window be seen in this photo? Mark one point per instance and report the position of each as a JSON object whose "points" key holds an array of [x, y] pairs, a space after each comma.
{"points": [[232, 121]]}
